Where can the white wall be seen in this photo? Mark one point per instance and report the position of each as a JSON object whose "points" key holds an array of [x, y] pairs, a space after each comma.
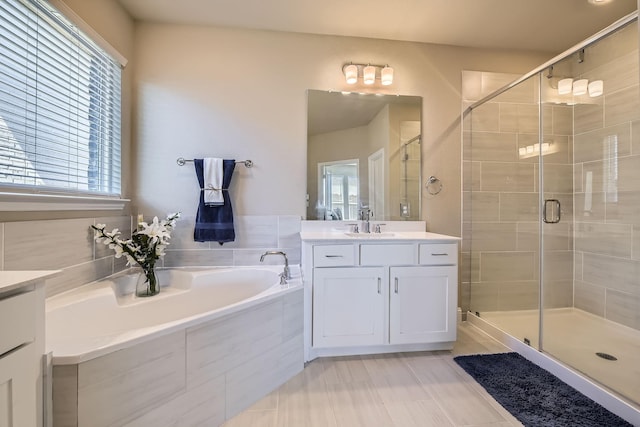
{"points": [[205, 91]]}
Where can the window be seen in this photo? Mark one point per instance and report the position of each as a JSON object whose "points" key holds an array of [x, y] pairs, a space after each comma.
{"points": [[59, 105]]}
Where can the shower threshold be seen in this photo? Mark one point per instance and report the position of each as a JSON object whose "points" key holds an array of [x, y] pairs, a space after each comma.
{"points": [[572, 337]]}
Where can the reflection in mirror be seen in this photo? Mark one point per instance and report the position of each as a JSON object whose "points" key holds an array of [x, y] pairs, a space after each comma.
{"points": [[363, 153]]}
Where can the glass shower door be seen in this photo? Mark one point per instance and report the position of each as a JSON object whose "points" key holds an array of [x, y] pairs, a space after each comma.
{"points": [[589, 159], [501, 217]]}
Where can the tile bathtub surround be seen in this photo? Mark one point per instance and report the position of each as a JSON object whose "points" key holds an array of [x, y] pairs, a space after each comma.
{"points": [[201, 375], [66, 245], [255, 234]]}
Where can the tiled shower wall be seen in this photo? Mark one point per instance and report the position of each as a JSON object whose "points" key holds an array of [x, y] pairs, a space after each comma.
{"points": [[607, 182], [68, 245], [592, 258], [500, 249]]}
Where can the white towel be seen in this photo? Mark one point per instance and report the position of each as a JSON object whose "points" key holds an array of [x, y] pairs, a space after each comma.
{"points": [[213, 182]]}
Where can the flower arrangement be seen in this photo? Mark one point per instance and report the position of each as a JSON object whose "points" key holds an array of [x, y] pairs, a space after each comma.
{"points": [[144, 248]]}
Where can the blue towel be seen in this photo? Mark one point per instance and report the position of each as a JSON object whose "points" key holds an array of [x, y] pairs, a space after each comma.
{"points": [[215, 223]]}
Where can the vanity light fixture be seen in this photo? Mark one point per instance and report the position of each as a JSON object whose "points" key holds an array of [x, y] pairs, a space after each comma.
{"points": [[596, 88], [565, 86], [368, 72], [580, 87]]}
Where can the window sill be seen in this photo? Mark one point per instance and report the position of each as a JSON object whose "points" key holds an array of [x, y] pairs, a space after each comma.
{"points": [[25, 202]]}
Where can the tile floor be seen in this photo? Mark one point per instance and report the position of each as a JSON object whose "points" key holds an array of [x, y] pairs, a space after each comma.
{"points": [[395, 390]]}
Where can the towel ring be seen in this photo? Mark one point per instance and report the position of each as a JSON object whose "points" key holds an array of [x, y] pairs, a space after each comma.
{"points": [[434, 185]]}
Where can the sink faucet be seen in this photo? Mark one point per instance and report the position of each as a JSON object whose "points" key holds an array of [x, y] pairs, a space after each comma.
{"points": [[365, 214], [286, 274]]}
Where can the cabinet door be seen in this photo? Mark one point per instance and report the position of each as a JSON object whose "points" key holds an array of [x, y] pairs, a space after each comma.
{"points": [[422, 305], [18, 389], [348, 306]]}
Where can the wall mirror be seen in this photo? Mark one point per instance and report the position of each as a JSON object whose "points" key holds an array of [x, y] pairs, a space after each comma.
{"points": [[363, 153]]}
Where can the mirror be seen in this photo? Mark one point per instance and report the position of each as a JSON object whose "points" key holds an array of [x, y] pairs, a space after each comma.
{"points": [[363, 155]]}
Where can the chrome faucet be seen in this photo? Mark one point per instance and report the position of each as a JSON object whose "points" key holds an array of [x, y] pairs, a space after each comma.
{"points": [[286, 274], [365, 214]]}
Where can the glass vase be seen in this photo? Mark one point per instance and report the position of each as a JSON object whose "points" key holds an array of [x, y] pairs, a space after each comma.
{"points": [[147, 284]]}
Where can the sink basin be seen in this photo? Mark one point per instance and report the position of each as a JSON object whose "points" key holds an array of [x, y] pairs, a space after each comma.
{"points": [[382, 235]]}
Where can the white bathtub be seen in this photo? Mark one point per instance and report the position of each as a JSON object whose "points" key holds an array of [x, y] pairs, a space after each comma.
{"points": [[104, 317], [196, 351]]}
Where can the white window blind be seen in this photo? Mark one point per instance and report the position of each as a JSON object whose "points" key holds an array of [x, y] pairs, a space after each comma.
{"points": [[59, 105]]}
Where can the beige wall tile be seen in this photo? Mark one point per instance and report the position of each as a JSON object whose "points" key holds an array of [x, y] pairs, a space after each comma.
{"points": [[558, 237], [201, 406], [42, 245], [484, 296], [636, 243], [65, 396], [623, 308], [521, 295], [471, 176], [507, 177], [577, 265], [494, 236], [589, 298], [605, 239], [507, 266], [78, 275], [522, 118], [618, 74], [562, 117], [525, 92], [486, 118], [558, 178], [251, 381], [519, 206], [470, 266], [622, 106], [588, 117], [628, 173], [255, 231], [625, 208], [491, 146], [590, 209], [482, 206], [601, 142], [205, 257], [528, 238], [635, 137], [617, 273], [216, 347], [558, 293], [115, 381], [557, 266], [289, 231]]}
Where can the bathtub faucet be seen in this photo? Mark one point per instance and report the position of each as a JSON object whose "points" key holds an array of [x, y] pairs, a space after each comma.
{"points": [[286, 275]]}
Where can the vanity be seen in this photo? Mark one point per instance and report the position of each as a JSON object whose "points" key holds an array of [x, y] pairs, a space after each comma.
{"points": [[381, 292], [22, 297]]}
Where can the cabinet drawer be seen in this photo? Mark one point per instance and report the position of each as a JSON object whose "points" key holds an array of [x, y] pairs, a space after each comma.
{"points": [[333, 255], [393, 254], [438, 253], [17, 321]]}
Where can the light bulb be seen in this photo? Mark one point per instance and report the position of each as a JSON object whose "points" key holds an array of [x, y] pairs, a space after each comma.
{"points": [[386, 76], [522, 151], [369, 74], [351, 74]]}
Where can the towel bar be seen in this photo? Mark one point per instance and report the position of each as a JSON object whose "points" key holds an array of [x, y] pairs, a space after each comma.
{"points": [[181, 161]]}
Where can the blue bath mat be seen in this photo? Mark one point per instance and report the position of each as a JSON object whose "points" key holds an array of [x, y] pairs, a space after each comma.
{"points": [[535, 396]]}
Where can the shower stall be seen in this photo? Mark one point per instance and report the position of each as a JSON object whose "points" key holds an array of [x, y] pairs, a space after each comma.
{"points": [[551, 221]]}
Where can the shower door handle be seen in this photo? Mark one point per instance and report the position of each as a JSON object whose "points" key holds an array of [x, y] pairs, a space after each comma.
{"points": [[555, 212]]}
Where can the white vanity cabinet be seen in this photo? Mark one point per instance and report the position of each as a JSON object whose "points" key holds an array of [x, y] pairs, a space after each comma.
{"points": [[348, 306], [368, 296], [21, 348]]}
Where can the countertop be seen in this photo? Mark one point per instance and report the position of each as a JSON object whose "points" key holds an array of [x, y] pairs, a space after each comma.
{"points": [[400, 236], [10, 280]]}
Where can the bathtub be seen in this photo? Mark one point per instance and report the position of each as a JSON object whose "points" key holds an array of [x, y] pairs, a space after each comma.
{"points": [[198, 350]]}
